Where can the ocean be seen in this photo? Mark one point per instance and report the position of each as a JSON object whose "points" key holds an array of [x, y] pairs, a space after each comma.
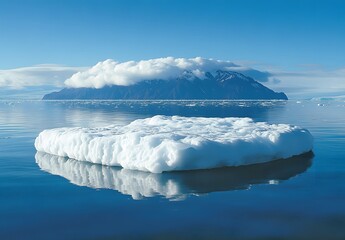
{"points": [[47, 197]]}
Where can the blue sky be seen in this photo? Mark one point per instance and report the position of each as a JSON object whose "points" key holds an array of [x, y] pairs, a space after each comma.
{"points": [[286, 36]]}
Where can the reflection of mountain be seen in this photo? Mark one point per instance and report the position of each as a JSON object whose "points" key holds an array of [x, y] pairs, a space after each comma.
{"points": [[192, 108], [173, 185]]}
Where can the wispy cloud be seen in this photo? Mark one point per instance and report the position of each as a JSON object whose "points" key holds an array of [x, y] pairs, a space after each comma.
{"points": [[38, 75], [308, 83]]}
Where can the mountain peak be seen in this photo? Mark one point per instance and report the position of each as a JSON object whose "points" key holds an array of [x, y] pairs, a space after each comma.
{"points": [[220, 84]]}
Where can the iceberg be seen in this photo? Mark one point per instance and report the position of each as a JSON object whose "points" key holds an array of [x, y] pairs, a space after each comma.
{"points": [[172, 185], [161, 143]]}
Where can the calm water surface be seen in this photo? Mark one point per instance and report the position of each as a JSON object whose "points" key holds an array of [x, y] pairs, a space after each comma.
{"points": [[48, 197]]}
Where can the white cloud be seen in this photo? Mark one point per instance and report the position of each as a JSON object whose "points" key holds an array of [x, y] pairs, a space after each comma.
{"points": [[38, 75], [128, 73], [310, 81], [307, 82]]}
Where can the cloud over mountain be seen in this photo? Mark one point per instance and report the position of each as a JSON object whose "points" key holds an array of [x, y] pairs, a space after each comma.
{"points": [[306, 82], [110, 72]]}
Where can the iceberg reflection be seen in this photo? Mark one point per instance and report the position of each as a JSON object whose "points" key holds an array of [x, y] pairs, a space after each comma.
{"points": [[172, 185]]}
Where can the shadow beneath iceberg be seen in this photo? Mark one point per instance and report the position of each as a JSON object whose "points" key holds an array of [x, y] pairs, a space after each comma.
{"points": [[173, 185]]}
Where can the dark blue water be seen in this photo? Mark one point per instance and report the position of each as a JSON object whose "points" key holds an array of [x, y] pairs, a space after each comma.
{"points": [[46, 197]]}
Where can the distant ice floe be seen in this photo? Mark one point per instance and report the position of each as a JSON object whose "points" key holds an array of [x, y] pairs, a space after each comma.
{"points": [[329, 98], [172, 185], [164, 143]]}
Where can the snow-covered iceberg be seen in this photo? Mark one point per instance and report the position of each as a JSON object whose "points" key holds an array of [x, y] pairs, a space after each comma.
{"points": [[164, 143], [171, 185]]}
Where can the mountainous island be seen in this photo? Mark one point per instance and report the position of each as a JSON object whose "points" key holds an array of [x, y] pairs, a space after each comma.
{"points": [[218, 85]]}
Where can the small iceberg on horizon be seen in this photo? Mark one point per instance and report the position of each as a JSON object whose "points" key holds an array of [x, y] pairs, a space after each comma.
{"points": [[161, 143]]}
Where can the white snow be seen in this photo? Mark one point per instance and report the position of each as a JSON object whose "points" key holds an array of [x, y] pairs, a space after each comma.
{"points": [[164, 143]]}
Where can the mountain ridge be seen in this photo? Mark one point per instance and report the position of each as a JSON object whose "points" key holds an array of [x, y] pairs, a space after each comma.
{"points": [[218, 85]]}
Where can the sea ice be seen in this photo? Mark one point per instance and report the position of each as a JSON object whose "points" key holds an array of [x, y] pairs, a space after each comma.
{"points": [[163, 143]]}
